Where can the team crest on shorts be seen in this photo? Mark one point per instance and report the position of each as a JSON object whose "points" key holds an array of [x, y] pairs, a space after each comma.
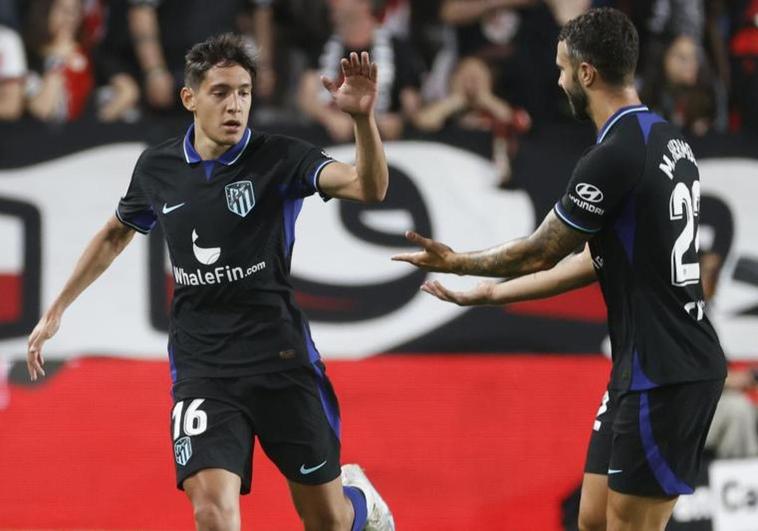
{"points": [[240, 197], [183, 450]]}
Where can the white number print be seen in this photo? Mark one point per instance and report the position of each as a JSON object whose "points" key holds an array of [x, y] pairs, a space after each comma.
{"points": [[195, 420], [602, 409], [683, 203]]}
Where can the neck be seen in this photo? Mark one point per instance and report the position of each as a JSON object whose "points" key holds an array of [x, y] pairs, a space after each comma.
{"points": [[207, 148], [609, 102]]}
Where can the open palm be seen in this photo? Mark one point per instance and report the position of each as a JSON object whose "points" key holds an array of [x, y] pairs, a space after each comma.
{"points": [[357, 93]]}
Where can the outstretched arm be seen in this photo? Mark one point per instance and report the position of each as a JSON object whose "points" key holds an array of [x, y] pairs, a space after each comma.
{"points": [[550, 243], [368, 179], [106, 245], [572, 273]]}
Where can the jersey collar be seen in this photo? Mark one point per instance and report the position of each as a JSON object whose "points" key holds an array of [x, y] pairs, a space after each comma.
{"points": [[228, 158], [616, 116]]}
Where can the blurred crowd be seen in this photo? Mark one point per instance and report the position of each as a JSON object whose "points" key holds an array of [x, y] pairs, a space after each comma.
{"points": [[478, 64]]}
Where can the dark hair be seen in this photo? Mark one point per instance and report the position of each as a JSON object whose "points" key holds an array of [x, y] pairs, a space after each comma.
{"points": [[37, 26], [220, 50], [606, 39]]}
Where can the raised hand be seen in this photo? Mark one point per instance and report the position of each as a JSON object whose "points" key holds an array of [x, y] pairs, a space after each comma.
{"points": [[45, 329], [357, 93], [481, 294], [436, 256]]}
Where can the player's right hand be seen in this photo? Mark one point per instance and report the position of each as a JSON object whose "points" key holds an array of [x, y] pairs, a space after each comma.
{"points": [[45, 329], [481, 294]]}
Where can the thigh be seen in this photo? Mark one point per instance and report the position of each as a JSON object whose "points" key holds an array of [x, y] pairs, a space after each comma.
{"points": [[593, 502], [658, 438], [599, 449], [312, 501], [214, 486], [296, 419], [210, 431], [627, 512]]}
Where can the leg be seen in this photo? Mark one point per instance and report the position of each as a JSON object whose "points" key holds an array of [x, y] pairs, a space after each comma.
{"points": [[593, 502], [594, 497], [214, 493], [323, 507], [638, 513]]}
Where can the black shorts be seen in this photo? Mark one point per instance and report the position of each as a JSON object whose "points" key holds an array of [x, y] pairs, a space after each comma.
{"points": [[294, 414], [650, 443]]}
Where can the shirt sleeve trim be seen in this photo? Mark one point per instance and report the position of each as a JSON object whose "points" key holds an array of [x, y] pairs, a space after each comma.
{"points": [[317, 174], [564, 217], [139, 229]]}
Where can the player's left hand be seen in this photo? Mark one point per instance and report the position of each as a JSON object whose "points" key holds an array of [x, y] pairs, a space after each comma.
{"points": [[436, 256], [481, 294], [357, 93]]}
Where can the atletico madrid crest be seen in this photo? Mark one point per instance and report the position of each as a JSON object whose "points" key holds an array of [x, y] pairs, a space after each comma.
{"points": [[183, 450], [240, 197]]}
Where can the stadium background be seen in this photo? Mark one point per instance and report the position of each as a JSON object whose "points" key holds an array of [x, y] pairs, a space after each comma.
{"points": [[464, 418]]}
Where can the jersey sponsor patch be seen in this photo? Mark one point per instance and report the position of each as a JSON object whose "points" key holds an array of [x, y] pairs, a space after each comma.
{"points": [[589, 192]]}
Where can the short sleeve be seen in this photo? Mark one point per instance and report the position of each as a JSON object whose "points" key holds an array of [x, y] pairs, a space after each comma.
{"points": [[134, 209], [307, 163], [601, 182]]}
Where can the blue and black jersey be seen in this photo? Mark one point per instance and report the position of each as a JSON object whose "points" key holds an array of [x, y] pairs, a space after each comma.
{"points": [[637, 192], [229, 226]]}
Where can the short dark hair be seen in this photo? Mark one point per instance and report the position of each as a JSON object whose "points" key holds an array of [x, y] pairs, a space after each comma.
{"points": [[225, 49], [606, 39]]}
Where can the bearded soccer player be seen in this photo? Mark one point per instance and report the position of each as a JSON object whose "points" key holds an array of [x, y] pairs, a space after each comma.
{"points": [[243, 363], [632, 203]]}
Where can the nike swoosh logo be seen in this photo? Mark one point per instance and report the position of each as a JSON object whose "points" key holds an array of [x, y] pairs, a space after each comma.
{"points": [[613, 471], [305, 471], [168, 209]]}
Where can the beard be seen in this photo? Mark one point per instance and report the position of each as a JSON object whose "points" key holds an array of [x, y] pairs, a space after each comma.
{"points": [[578, 102]]}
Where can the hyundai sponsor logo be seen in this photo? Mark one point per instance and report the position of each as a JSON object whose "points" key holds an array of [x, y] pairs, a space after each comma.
{"points": [[589, 192]]}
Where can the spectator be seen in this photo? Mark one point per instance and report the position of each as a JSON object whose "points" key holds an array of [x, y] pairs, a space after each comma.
{"points": [[12, 74], [116, 69], [734, 431], [61, 78], [473, 105], [163, 30], [509, 37], [357, 30], [744, 55], [679, 86]]}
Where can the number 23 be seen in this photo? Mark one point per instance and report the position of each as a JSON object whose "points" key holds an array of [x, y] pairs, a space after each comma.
{"points": [[683, 204]]}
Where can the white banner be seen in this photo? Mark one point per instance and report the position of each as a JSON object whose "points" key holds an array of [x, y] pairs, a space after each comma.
{"points": [[734, 491], [76, 194]]}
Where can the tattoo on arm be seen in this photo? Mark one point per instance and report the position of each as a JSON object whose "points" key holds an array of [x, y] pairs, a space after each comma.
{"points": [[549, 244]]}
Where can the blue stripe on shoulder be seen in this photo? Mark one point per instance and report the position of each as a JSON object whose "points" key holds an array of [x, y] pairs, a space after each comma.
{"points": [[646, 121]]}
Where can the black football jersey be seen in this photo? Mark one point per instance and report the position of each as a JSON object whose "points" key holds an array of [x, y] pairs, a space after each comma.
{"points": [[637, 191], [229, 226]]}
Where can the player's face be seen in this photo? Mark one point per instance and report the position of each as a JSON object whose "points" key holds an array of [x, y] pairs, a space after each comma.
{"points": [[569, 82], [222, 103]]}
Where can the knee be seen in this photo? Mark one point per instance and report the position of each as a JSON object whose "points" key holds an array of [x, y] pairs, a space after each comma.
{"points": [[215, 515], [592, 520], [327, 520]]}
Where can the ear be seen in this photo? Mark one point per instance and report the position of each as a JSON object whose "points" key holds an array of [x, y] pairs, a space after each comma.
{"points": [[587, 74], [188, 98]]}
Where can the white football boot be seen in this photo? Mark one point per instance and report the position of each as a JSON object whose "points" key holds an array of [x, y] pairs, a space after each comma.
{"points": [[379, 514]]}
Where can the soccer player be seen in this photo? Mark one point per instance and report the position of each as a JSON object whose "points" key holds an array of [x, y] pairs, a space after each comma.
{"points": [[242, 360], [632, 203]]}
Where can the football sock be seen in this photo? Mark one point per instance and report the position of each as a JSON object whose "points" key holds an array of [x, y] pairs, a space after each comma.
{"points": [[358, 499]]}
